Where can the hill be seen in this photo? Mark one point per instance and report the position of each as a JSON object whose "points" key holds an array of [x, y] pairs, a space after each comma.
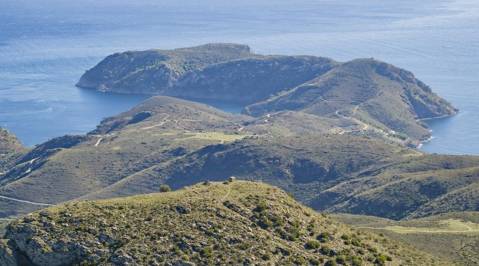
{"points": [[154, 71], [378, 94], [452, 236], [383, 99], [324, 162], [71, 166], [213, 223], [416, 187]]}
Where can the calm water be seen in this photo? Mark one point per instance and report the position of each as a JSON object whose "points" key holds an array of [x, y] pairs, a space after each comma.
{"points": [[46, 45]]}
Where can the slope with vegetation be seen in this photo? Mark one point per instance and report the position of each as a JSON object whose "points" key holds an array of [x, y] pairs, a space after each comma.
{"points": [[211, 223], [452, 236], [323, 162], [380, 97], [155, 71]]}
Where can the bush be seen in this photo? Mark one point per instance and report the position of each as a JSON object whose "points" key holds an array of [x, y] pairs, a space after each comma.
{"points": [[381, 259], [324, 237], [207, 252], [356, 242], [341, 260], [164, 188], [356, 261], [330, 263], [327, 251], [312, 244]]}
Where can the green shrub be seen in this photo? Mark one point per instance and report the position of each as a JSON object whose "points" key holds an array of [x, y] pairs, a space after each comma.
{"points": [[324, 237], [164, 188], [261, 207], [356, 261], [381, 259], [207, 252], [330, 263], [312, 244], [356, 242], [326, 251], [341, 260]]}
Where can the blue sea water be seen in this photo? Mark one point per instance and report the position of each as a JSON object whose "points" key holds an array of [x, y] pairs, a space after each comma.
{"points": [[46, 45]]}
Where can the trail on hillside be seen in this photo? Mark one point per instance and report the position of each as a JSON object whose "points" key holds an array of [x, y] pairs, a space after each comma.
{"points": [[25, 201], [452, 228]]}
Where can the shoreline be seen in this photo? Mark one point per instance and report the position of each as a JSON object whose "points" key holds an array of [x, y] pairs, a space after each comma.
{"points": [[422, 142], [437, 117]]}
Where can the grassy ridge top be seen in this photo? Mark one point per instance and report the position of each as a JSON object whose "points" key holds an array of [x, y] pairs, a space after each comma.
{"points": [[230, 223]]}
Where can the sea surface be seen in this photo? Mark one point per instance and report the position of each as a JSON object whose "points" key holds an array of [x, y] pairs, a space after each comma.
{"points": [[45, 46]]}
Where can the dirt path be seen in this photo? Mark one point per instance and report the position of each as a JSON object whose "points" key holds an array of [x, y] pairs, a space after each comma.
{"points": [[226, 195], [25, 201], [98, 142], [416, 230], [165, 119]]}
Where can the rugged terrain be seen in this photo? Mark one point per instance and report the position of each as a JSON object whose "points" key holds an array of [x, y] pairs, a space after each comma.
{"points": [[382, 98], [452, 236], [338, 137], [231, 223], [324, 162]]}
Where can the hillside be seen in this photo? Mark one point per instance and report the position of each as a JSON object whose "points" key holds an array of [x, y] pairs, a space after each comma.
{"points": [[378, 94], [10, 149], [231, 223], [453, 236], [383, 99], [324, 162], [417, 187], [154, 71], [71, 166]]}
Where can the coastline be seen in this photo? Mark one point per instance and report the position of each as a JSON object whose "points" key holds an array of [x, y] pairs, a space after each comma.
{"points": [[422, 142]]}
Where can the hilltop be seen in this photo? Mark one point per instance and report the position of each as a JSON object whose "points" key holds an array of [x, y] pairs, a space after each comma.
{"points": [[230, 223], [383, 99]]}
